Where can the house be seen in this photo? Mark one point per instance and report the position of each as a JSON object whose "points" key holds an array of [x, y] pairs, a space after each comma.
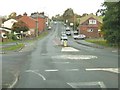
{"points": [[34, 22], [41, 20], [9, 23], [30, 22], [90, 26], [3, 34]]}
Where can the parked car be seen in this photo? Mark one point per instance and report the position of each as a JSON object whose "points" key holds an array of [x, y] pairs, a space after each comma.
{"points": [[80, 36], [68, 31]]}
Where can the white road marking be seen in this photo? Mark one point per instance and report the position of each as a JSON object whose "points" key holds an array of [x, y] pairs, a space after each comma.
{"points": [[51, 70], [55, 70], [114, 70], [72, 70], [102, 85], [74, 57], [61, 62], [84, 84], [36, 74], [69, 49], [16, 80]]}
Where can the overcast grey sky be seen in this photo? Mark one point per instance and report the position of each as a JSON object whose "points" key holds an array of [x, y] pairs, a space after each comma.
{"points": [[50, 7]]}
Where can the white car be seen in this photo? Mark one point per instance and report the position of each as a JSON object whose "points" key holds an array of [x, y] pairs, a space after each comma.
{"points": [[80, 36], [63, 37]]}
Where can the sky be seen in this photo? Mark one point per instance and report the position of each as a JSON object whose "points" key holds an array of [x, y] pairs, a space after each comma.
{"points": [[50, 7]]}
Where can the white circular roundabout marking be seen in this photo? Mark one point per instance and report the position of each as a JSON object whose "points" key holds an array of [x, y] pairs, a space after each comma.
{"points": [[74, 57]]}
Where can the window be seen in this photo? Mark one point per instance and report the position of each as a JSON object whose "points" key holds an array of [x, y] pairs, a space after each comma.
{"points": [[90, 30], [92, 21]]}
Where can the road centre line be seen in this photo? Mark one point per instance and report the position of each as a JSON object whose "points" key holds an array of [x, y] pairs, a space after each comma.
{"points": [[72, 70], [54, 70], [36, 74], [61, 62], [51, 70], [114, 70]]}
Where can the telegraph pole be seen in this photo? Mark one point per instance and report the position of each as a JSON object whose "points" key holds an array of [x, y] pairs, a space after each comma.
{"points": [[36, 33]]}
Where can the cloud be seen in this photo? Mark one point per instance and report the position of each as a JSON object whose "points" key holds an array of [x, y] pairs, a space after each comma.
{"points": [[51, 7]]}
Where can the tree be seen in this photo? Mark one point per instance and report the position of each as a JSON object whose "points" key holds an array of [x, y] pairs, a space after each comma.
{"points": [[12, 15], [20, 26], [111, 27], [68, 13], [69, 16]]}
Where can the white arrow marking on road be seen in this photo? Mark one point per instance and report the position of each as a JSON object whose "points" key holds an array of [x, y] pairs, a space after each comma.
{"points": [[114, 70], [36, 74], [69, 49], [84, 84]]}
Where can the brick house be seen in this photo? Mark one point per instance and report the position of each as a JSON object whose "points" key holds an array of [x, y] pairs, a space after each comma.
{"points": [[90, 26], [33, 23], [41, 19], [30, 22]]}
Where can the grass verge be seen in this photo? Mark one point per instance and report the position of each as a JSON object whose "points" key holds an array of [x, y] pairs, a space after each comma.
{"points": [[98, 42], [14, 47], [102, 42]]}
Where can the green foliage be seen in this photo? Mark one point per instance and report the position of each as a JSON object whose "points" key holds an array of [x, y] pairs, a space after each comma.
{"points": [[14, 47], [68, 13], [20, 26], [111, 27], [98, 41], [12, 15]]}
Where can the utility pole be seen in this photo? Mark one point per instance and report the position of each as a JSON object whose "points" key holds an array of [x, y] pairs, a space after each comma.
{"points": [[74, 22], [36, 33]]}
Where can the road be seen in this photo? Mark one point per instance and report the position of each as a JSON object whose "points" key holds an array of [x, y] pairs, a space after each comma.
{"points": [[51, 65]]}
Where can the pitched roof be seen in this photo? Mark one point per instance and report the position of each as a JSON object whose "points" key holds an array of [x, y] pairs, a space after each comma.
{"points": [[83, 19], [30, 22]]}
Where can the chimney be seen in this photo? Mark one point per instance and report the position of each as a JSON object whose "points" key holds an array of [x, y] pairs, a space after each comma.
{"points": [[25, 14]]}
